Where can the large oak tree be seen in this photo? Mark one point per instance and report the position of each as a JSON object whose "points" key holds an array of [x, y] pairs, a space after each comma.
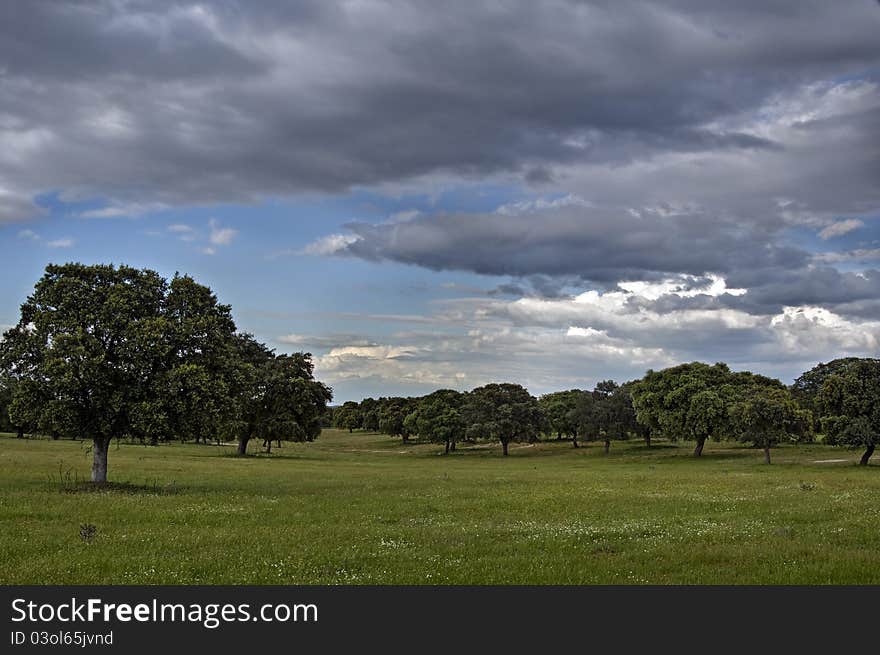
{"points": [[103, 351], [684, 402], [86, 348]]}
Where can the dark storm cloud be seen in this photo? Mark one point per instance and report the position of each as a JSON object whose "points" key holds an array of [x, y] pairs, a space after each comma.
{"points": [[548, 252], [820, 286], [175, 103], [49, 41], [596, 245], [544, 286]]}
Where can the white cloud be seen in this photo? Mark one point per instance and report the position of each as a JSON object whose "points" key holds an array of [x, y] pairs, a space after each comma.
{"points": [[221, 236], [217, 236], [184, 232], [324, 341], [542, 204], [859, 254], [28, 234], [404, 216], [408, 365], [816, 330], [61, 243], [840, 228], [294, 339], [589, 333], [123, 210], [684, 287], [328, 245]]}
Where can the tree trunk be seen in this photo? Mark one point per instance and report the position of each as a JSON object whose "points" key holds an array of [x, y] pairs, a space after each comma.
{"points": [[405, 438], [647, 440], [867, 455], [242, 445], [698, 451], [19, 433], [99, 459], [447, 447], [452, 445], [154, 440], [766, 454], [574, 441], [607, 446], [504, 447], [268, 445], [558, 436], [54, 435]]}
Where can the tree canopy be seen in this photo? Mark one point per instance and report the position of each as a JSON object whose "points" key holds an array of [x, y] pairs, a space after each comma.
{"points": [[392, 413], [86, 350], [684, 402], [850, 404], [506, 412], [438, 417], [766, 415], [560, 409], [808, 386], [102, 351], [348, 416]]}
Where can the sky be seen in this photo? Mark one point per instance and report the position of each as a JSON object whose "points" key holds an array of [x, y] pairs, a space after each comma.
{"points": [[440, 195]]}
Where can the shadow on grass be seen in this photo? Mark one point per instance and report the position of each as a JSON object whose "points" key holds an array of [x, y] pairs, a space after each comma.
{"points": [[641, 447], [68, 482], [686, 454], [269, 457], [125, 488]]}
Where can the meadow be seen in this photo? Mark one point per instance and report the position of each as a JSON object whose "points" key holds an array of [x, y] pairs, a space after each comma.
{"points": [[365, 509]]}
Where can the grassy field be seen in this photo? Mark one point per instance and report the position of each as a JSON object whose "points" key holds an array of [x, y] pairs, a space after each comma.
{"points": [[364, 509]]}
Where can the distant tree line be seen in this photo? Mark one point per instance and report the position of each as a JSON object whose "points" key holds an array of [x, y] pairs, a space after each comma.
{"points": [[694, 402], [103, 352]]}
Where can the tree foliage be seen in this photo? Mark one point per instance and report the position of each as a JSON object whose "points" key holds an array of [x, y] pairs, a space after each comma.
{"points": [[766, 414], [103, 351], [505, 412], [560, 410], [85, 350], [850, 405], [807, 387], [285, 402], [392, 413], [684, 402], [438, 418], [606, 413], [348, 416]]}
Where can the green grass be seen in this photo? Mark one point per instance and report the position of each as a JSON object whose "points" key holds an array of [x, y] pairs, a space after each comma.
{"points": [[364, 509]]}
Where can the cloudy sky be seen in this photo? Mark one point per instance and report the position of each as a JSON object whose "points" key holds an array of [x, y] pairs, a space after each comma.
{"points": [[429, 194]]}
